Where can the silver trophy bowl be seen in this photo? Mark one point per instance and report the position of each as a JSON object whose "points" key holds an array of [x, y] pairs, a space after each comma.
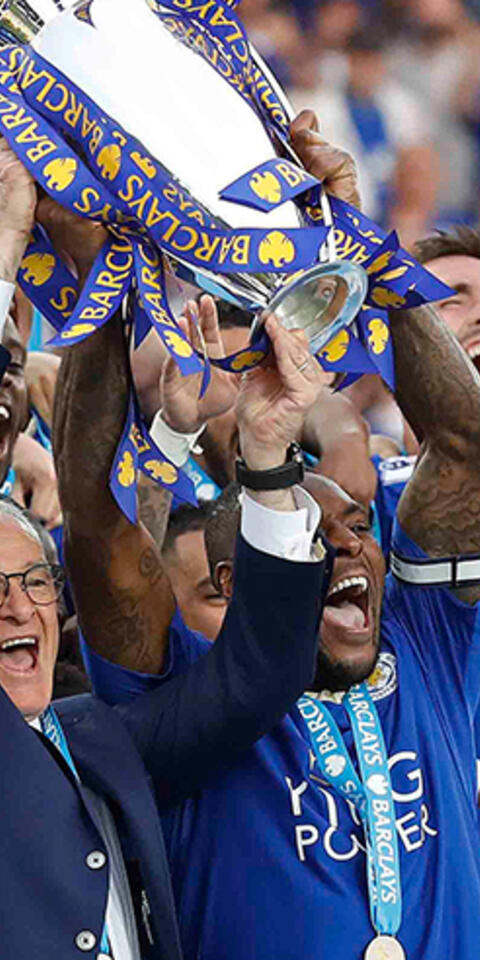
{"points": [[202, 132]]}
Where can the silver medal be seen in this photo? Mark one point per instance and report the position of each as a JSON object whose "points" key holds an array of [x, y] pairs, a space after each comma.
{"points": [[384, 948]]}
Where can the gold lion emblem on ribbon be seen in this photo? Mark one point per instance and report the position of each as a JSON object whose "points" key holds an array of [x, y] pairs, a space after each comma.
{"points": [[179, 346], [246, 359], [379, 335], [383, 297], [276, 248], [266, 186], [109, 161], [60, 173], [162, 470], [336, 348], [38, 268], [126, 470]]}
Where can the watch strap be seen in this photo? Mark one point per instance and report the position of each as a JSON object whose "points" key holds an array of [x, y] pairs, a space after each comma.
{"points": [[277, 478]]}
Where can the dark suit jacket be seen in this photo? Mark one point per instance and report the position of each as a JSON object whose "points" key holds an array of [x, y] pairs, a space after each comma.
{"points": [[152, 752]]}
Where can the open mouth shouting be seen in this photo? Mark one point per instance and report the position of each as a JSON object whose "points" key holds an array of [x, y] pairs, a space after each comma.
{"points": [[19, 655], [347, 610], [349, 633]]}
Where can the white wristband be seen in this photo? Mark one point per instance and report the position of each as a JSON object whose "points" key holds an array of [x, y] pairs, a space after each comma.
{"points": [[175, 446]]}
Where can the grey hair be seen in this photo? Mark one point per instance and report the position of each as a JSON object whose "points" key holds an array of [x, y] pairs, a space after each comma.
{"points": [[16, 513]]}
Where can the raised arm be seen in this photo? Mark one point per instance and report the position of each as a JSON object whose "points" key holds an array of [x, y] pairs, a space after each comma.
{"points": [[123, 598], [264, 655], [438, 390]]}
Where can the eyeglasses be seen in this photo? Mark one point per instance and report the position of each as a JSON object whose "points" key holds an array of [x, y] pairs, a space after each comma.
{"points": [[43, 583]]}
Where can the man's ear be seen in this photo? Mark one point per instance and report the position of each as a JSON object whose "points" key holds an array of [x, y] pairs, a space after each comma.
{"points": [[223, 578]]}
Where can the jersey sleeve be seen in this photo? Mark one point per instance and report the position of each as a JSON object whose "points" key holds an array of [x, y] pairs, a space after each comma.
{"points": [[117, 685], [444, 632]]}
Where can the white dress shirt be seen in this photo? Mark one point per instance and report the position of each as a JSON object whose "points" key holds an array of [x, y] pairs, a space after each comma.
{"points": [[288, 534]]}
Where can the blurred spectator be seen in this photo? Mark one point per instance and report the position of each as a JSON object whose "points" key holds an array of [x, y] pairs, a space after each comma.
{"points": [[373, 118], [336, 22], [185, 561], [274, 30], [434, 57], [454, 258]]}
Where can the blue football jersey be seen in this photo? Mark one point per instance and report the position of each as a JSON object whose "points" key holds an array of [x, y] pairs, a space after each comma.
{"points": [[268, 862], [393, 473]]}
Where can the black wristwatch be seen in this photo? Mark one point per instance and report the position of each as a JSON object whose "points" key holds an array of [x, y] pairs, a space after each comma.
{"points": [[278, 478]]}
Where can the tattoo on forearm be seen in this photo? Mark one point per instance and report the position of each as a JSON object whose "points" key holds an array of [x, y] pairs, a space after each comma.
{"points": [[124, 622], [438, 388], [439, 392], [154, 508]]}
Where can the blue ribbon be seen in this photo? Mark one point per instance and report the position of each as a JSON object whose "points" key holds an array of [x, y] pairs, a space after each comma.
{"points": [[137, 451], [372, 795], [269, 185]]}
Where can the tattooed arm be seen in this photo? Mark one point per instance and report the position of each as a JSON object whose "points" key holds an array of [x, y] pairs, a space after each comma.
{"points": [[153, 509], [438, 390], [123, 598]]}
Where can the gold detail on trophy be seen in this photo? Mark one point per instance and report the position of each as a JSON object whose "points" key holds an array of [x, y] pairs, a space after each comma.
{"points": [[144, 164], [126, 470], [379, 335], [246, 359], [161, 470], [179, 346], [266, 186], [336, 348], [38, 268], [60, 173], [109, 161], [78, 330], [276, 248]]}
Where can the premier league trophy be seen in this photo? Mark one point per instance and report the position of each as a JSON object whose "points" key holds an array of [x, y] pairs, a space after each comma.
{"points": [[160, 120], [164, 80]]}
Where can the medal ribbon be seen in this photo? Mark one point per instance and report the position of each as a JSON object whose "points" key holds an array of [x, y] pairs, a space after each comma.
{"points": [[372, 795], [52, 730]]}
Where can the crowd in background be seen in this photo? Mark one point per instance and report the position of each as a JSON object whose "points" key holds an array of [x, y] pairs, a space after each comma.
{"points": [[396, 83]]}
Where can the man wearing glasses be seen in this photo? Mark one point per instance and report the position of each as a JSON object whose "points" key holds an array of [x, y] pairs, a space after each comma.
{"points": [[28, 644]]}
